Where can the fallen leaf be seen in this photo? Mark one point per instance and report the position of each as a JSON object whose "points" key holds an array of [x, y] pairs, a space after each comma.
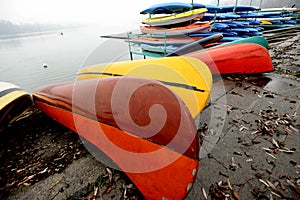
{"points": [[204, 193]]}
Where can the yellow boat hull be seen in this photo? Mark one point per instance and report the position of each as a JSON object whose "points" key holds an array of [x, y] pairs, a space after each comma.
{"points": [[13, 103], [175, 18], [189, 78]]}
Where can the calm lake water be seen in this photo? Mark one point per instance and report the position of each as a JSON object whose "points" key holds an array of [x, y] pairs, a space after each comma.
{"points": [[22, 57]]}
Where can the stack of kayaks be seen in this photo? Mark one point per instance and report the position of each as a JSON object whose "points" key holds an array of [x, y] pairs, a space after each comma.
{"points": [[245, 19], [232, 36], [168, 26], [175, 24], [234, 22], [278, 17]]}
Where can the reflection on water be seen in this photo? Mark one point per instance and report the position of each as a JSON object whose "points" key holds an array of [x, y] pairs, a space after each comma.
{"points": [[22, 58]]}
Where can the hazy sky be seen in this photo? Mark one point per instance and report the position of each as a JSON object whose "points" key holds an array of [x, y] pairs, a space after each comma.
{"points": [[107, 12], [70, 11]]}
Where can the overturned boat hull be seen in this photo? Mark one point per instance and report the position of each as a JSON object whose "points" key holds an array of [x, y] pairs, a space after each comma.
{"points": [[120, 117]]}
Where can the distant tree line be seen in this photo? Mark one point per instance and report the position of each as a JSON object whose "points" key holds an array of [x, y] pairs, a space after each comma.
{"points": [[8, 28]]}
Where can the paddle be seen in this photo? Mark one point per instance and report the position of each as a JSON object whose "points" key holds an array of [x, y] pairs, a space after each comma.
{"points": [[196, 45]]}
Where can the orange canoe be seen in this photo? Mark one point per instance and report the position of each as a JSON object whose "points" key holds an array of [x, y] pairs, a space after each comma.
{"points": [[140, 124], [244, 58], [198, 27], [172, 40]]}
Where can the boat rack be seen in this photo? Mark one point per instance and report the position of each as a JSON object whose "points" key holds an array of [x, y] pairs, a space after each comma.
{"points": [[136, 48]]}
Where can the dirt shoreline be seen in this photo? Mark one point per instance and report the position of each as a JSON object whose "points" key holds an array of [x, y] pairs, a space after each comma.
{"points": [[35, 147]]}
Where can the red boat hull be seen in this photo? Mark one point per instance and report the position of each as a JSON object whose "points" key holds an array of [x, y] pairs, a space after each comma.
{"points": [[245, 58], [150, 160]]}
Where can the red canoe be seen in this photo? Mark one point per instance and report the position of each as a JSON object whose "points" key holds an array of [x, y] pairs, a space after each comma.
{"points": [[198, 27], [244, 58], [140, 124]]}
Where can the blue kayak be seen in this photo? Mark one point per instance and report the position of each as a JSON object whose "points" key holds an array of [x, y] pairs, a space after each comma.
{"points": [[224, 33], [159, 48], [225, 9], [240, 30], [268, 14], [219, 16], [258, 28], [229, 9], [275, 21], [254, 22], [245, 23], [248, 22], [212, 8], [251, 29], [219, 25], [232, 24], [168, 8], [198, 5], [250, 15], [230, 39], [255, 40], [254, 34], [237, 23], [290, 22]]}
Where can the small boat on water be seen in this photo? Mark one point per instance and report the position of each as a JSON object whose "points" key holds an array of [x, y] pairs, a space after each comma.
{"points": [[14, 101], [121, 117], [198, 27], [175, 18]]}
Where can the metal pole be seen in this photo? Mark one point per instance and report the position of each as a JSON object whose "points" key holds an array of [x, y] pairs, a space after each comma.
{"points": [[216, 12], [236, 3], [260, 3], [129, 45]]}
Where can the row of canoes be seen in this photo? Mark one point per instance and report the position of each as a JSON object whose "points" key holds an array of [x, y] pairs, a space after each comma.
{"points": [[178, 21], [141, 113]]}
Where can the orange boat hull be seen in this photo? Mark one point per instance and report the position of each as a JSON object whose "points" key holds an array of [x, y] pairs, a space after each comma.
{"points": [[245, 58], [199, 27], [150, 160]]}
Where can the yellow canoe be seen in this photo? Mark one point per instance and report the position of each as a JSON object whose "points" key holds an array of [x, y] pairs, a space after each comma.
{"points": [[175, 18], [189, 78], [13, 102]]}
